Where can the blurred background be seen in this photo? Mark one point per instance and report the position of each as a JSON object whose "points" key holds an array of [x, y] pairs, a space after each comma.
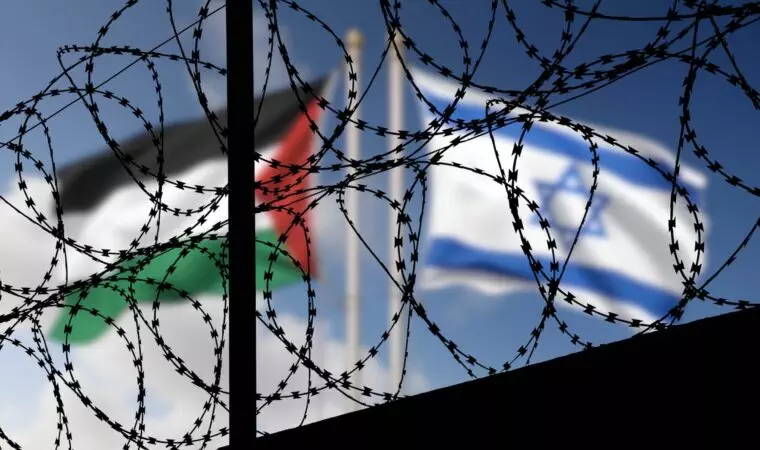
{"points": [[490, 327]]}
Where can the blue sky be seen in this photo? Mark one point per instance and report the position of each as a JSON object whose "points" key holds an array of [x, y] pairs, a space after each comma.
{"points": [[491, 328]]}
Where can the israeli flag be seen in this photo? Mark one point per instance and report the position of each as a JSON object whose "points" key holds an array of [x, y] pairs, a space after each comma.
{"points": [[621, 262]]}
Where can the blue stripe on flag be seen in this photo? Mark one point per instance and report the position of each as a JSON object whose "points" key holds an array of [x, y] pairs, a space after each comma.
{"points": [[449, 254], [614, 160]]}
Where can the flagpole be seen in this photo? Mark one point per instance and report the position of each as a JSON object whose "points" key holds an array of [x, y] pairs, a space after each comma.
{"points": [[354, 40], [395, 123], [319, 345]]}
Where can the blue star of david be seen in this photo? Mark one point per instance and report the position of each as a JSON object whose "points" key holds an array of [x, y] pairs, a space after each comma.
{"points": [[570, 182]]}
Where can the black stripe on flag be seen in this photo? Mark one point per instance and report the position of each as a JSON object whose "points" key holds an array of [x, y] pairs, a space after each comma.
{"points": [[86, 183]]}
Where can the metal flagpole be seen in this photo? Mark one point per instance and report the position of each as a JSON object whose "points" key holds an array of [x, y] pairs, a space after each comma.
{"points": [[396, 121], [318, 350], [354, 40]]}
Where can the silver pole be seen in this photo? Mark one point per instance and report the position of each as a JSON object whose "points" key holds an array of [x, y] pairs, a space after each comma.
{"points": [[396, 121], [354, 40]]}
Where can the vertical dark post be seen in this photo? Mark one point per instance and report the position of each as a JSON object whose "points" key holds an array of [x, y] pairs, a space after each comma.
{"points": [[242, 312]]}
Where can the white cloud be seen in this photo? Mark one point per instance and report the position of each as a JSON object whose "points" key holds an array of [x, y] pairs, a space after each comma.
{"points": [[26, 250], [107, 376]]}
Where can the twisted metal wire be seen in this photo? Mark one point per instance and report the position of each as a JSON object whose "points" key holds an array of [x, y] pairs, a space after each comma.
{"points": [[559, 83], [45, 296]]}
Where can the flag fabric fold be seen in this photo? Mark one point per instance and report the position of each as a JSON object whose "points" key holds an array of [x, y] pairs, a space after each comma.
{"points": [[621, 262], [110, 209]]}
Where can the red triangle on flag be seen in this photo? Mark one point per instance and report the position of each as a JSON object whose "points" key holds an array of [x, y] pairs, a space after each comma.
{"points": [[294, 148]]}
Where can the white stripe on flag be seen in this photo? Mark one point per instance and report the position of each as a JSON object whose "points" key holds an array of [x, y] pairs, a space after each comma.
{"points": [[263, 221], [621, 262], [117, 220]]}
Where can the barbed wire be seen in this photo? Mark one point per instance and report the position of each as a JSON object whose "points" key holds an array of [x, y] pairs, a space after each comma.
{"points": [[677, 39]]}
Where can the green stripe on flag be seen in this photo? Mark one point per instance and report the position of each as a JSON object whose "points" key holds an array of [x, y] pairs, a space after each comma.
{"points": [[284, 272], [196, 273]]}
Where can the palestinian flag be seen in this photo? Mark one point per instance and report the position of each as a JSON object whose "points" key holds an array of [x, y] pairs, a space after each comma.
{"points": [[171, 254]]}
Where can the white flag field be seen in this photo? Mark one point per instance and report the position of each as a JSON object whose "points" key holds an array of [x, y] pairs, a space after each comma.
{"points": [[621, 262]]}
